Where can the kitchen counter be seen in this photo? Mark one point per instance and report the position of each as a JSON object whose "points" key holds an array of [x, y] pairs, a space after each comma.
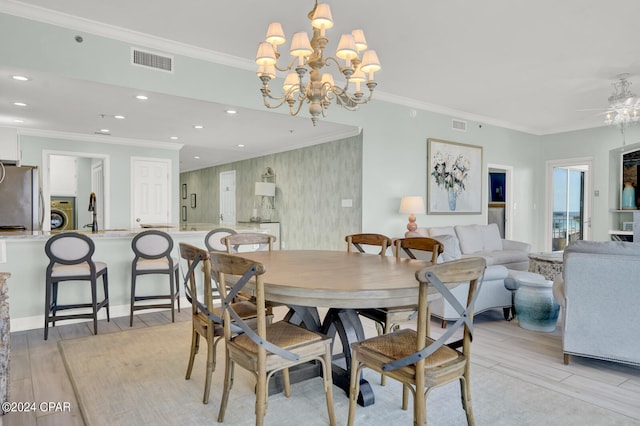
{"points": [[27, 262], [182, 229]]}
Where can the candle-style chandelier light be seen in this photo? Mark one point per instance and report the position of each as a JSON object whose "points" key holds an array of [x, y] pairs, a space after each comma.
{"points": [[320, 90]]}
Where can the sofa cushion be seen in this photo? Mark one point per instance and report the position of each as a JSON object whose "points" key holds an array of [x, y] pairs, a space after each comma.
{"points": [[470, 237], [451, 248], [441, 230], [491, 240], [504, 257]]}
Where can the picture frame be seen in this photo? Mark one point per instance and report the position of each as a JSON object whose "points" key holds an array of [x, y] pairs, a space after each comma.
{"points": [[184, 214], [193, 201], [454, 177], [184, 191]]}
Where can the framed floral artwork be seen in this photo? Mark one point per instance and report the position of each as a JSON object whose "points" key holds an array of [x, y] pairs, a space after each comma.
{"points": [[454, 178]]}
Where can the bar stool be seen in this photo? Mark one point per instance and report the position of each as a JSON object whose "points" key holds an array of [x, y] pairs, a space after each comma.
{"points": [[70, 259], [152, 250], [212, 239]]}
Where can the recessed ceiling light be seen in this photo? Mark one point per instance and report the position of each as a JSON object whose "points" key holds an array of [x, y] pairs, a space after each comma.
{"points": [[198, 126], [104, 130], [20, 78], [20, 104], [175, 138], [240, 145], [142, 97], [231, 111], [119, 117], [197, 157], [18, 121]]}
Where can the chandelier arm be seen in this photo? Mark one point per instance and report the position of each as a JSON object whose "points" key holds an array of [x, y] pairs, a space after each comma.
{"points": [[278, 105], [287, 67], [300, 102]]}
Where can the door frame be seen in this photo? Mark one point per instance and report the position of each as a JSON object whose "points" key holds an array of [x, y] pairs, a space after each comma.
{"points": [[508, 200], [46, 178], [169, 164], [548, 209]]}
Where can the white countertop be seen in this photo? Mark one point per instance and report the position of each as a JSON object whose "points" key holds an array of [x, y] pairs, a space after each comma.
{"points": [[182, 229]]}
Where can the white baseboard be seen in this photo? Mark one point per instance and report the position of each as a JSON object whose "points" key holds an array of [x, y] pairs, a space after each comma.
{"points": [[37, 321]]}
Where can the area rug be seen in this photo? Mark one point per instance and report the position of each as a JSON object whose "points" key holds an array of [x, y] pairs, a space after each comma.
{"points": [[136, 377]]}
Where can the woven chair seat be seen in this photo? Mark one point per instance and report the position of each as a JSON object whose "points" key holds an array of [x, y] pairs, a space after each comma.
{"points": [[244, 309], [402, 343], [283, 334]]}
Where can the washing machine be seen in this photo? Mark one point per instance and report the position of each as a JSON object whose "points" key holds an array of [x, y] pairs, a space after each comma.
{"points": [[63, 217]]}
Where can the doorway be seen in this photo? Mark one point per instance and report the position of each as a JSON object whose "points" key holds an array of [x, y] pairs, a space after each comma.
{"points": [[568, 212], [93, 183], [500, 198]]}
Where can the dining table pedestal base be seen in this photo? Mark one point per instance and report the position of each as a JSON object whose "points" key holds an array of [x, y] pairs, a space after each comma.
{"points": [[346, 325]]}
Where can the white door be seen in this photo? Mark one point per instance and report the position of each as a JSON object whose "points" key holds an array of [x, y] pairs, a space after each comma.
{"points": [[151, 185], [228, 198]]}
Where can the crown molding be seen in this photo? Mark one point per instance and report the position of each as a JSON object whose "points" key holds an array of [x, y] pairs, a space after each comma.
{"points": [[52, 17], [100, 139]]}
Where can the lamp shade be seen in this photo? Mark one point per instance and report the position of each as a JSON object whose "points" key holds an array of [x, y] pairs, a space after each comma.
{"points": [[370, 61], [361, 41], [300, 45], [347, 47], [266, 54], [266, 189], [412, 204], [275, 34], [322, 18]]}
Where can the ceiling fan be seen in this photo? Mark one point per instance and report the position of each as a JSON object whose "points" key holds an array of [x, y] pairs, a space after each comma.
{"points": [[624, 106]]}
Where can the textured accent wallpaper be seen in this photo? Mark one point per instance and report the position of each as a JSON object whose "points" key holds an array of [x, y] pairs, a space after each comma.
{"points": [[310, 186]]}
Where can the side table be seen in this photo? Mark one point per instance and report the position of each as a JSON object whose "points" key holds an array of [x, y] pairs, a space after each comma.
{"points": [[547, 264]]}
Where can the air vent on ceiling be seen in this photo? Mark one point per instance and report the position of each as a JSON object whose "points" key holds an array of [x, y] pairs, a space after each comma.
{"points": [[459, 125], [151, 60]]}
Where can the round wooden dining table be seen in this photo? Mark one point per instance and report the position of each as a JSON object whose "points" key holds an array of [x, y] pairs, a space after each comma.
{"points": [[343, 282]]}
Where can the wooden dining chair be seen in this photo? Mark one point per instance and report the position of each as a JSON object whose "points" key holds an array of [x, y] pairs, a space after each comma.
{"points": [[391, 318], [419, 362], [272, 347], [252, 241], [206, 314], [258, 241]]}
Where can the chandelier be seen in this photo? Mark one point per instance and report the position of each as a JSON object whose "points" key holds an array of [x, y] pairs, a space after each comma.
{"points": [[624, 107], [308, 57]]}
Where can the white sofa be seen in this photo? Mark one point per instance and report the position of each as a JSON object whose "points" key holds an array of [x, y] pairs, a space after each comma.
{"points": [[599, 292], [482, 241]]}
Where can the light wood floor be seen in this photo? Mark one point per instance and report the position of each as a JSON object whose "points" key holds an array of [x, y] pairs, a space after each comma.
{"points": [[37, 372]]}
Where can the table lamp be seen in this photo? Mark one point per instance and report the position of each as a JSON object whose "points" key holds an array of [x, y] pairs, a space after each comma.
{"points": [[266, 190], [412, 205]]}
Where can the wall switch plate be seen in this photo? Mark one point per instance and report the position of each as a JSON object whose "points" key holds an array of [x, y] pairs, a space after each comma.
{"points": [[347, 202], [3, 251]]}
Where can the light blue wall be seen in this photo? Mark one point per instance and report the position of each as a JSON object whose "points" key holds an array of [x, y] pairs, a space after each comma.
{"points": [[394, 144]]}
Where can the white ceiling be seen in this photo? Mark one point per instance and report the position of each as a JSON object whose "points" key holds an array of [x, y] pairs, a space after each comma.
{"points": [[530, 66]]}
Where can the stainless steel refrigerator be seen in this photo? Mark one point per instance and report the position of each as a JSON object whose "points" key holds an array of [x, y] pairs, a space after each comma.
{"points": [[20, 207]]}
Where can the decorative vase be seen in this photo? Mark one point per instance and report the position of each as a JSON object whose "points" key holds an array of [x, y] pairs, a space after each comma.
{"points": [[453, 196], [629, 196], [536, 309]]}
